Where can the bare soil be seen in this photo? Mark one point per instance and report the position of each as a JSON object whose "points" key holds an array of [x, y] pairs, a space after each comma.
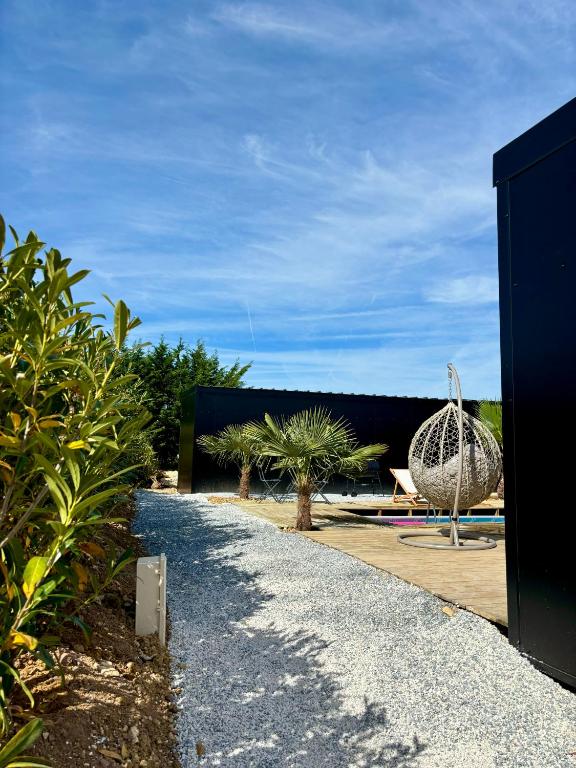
{"points": [[114, 706]]}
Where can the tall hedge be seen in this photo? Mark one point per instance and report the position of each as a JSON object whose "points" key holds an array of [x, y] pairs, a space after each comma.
{"points": [[166, 372]]}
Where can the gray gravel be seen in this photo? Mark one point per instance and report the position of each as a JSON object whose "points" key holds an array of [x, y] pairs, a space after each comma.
{"points": [[289, 653]]}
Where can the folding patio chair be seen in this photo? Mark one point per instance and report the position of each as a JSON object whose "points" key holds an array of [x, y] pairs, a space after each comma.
{"points": [[403, 479], [271, 483], [369, 478], [319, 484]]}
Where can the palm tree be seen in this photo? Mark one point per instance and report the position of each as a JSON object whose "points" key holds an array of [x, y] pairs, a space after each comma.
{"points": [[233, 445], [489, 412], [309, 445]]}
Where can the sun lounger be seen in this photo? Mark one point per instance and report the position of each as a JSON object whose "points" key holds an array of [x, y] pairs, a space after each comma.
{"points": [[403, 479]]}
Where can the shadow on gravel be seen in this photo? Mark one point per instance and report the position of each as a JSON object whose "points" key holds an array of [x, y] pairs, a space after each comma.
{"points": [[253, 696]]}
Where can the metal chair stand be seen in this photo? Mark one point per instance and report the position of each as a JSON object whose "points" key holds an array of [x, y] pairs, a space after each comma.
{"points": [[458, 539]]}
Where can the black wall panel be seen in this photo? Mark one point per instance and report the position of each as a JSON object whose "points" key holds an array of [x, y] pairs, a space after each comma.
{"points": [[536, 181]]}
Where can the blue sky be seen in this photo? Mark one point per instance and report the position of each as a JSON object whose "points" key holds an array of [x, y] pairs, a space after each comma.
{"points": [[302, 184]]}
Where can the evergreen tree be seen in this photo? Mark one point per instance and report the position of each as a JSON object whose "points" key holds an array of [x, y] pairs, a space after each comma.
{"points": [[166, 373]]}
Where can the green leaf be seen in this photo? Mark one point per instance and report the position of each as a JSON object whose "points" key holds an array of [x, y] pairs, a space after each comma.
{"points": [[2, 233], [121, 380], [125, 559], [108, 478], [90, 522], [81, 624], [21, 741], [8, 669], [73, 467], [69, 321], [48, 587], [134, 323], [121, 317], [14, 233], [55, 482], [58, 527], [96, 499], [33, 574], [77, 276]]}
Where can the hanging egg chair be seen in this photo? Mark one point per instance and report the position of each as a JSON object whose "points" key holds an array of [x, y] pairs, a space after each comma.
{"points": [[455, 463]]}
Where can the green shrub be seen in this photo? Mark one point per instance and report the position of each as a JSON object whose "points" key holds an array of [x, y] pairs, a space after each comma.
{"points": [[140, 460], [66, 419]]}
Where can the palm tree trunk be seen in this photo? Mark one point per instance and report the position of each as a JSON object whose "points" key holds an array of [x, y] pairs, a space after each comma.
{"points": [[244, 487], [304, 518]]}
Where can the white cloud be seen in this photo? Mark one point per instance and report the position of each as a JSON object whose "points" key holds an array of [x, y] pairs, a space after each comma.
{"points": [[474, 289], [327, 27]]}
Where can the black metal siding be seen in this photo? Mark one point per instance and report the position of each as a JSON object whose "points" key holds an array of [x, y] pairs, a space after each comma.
{"points": [[392, 420], [537, 257]]}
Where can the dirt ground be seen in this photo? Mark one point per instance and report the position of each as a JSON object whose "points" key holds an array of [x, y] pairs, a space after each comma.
{"points": [[115, 706]]}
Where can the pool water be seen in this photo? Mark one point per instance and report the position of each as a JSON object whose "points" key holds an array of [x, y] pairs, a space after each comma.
{"points": [[410, 520]]}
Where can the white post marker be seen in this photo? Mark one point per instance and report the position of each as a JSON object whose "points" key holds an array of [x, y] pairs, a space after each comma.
{"points": [[151, 596]]}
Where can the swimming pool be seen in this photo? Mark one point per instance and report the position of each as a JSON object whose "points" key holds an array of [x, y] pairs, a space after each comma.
{"points": [[419, 519]]}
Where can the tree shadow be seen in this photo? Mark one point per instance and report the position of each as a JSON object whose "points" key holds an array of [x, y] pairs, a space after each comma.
{"points": [[253, 695]]}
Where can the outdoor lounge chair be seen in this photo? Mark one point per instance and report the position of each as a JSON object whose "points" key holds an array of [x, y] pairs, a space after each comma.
{"points": [[403, 479], [319, 484]]}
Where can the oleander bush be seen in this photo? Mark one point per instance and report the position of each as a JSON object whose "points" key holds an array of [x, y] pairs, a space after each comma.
{"points": [[67, 423]]}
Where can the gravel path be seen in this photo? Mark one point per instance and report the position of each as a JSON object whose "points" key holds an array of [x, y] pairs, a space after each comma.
{"points": [[288, 653]]}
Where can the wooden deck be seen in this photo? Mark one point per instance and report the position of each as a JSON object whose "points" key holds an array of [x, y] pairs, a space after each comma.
{"points": [[475, 581]]}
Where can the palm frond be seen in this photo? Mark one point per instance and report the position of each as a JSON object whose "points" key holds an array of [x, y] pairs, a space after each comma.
{"points": [[310, 444], [357, 459], [233, 444], [489, 412]]}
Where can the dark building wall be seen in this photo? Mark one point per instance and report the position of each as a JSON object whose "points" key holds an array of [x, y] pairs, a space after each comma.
{"points": [[392, 420], [536, 180]]}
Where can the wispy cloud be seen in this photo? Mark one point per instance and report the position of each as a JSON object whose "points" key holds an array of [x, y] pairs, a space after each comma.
{"points": [[474, 289], [377, 369], [325, 26], [304, 184]]}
